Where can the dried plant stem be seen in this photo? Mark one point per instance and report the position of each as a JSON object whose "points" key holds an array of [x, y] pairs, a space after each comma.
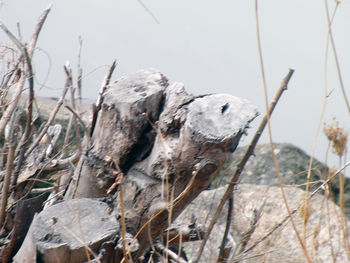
{"points": [[323, 109], [222, 258], [302, 243], [66, 137], [100, 97], [123, 225], [13, 104], [277, 226], [79, 240], [80, 72], [148, 11], [30, 50], [240, 166], [336, 56], [72, 120], [53, 113], [39, 25], [6, 184], [82, 123], [75, 124], [171, 254]]}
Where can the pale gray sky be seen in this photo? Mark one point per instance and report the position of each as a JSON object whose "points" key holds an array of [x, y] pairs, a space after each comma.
{"points": [[208, 45]]}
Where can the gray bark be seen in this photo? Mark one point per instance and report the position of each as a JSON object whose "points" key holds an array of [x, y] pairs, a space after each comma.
{"points": [[169, 144]]}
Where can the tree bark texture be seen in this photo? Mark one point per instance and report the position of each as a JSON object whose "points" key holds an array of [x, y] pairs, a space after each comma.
{"points": [[168, 144]]}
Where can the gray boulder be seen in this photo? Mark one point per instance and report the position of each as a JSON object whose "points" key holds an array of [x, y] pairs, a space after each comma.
{"points": [[293, 163], [271, 238]]}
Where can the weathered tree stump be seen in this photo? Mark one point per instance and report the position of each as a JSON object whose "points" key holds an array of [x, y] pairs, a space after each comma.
{"points": [[167, 143]]}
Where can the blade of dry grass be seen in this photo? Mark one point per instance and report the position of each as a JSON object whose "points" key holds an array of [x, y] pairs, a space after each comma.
{"points": [[307, 256]]}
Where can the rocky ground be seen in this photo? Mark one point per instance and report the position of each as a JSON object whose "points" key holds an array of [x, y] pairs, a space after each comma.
{"points": [[273, 238], [293, 163], [324, 234]]}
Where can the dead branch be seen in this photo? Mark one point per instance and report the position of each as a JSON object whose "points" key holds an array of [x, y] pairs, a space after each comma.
{"points": [[9, 168], [54, 112], [82, 123], [100, 98], [30, 50]]}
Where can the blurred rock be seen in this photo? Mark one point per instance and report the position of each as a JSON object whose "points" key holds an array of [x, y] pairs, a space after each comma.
{"points": [[324, 233], [293, 164]]}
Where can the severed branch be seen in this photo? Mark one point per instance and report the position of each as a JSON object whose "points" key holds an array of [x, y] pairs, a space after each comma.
{"points": [[240, 166]]}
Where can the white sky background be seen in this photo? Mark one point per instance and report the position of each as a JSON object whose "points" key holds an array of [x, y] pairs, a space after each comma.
{"points": [[208, 45]]}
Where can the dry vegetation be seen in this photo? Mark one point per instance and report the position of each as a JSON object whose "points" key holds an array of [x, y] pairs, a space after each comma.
{"points": [[36, 161]]}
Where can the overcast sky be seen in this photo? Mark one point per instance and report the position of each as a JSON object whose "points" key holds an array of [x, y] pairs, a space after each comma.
{"points": [[210, 46]]}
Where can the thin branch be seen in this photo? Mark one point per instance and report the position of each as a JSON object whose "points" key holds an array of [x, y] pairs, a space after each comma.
{"points": [[11, 141], [28, 54], [100, 98], [72, 120], [39, 25], [149, 11], [104, 85], [53, 113], [6, 184], [78, 239], [82, 123], [329, 21], [171, 254], [277, 226], [122, 218], [240, 166], [254, 222], [29, 123], [302, 243], [80, 72], [12, 106], [222, 257]]}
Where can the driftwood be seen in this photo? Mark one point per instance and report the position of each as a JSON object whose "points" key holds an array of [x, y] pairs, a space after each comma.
{"points": [[156, 148]]}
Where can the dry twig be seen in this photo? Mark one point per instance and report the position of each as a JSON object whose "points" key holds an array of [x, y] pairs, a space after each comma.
{"points": [[54, 112], [100, 98], [240, 166]]}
